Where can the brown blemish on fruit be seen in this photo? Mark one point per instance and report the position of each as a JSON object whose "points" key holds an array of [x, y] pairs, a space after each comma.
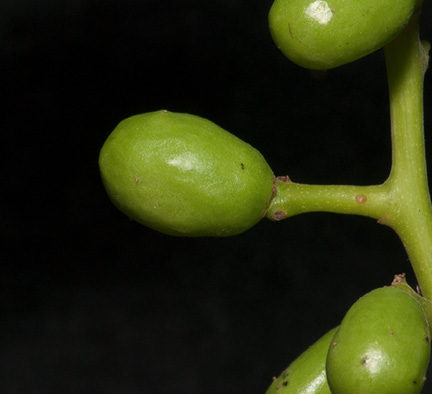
{"points": [[334, 344], [333, 10], [137, 180], [361, 198], [391, 333], [279, 215], [278, 387], [427, 339], [274, 378], [165, 111]]}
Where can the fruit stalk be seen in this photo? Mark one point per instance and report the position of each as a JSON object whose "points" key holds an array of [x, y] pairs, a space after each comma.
{"points": [[295, 198]]}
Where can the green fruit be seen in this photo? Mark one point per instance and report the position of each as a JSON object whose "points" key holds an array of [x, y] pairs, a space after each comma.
{"points": [[183, 175], [307, 373], [326, 34], [381, 347]]}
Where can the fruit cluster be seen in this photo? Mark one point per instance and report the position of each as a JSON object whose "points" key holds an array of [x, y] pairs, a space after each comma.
{"points": [[382, 346], [183, 175]]}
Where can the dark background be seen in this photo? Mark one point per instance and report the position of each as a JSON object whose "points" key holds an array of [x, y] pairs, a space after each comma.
{"points": [[92, 302]]}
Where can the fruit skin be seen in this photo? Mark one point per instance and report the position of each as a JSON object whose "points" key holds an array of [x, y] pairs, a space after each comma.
{"points": [[307, 373], [326, 34], [184, 175], [381, 347]]}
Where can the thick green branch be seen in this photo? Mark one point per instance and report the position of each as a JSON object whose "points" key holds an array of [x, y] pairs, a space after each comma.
{"points": [[411, 215]]}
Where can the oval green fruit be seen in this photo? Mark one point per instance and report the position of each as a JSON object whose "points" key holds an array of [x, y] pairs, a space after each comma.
{"points": [[381, 347], [307, 373], [319, 34], [184, 175]]}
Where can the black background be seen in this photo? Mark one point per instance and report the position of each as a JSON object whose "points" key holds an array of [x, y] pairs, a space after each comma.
{"points": [[92, 302]]}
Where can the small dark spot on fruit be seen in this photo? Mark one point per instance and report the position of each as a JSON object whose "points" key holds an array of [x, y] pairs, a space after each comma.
{"points": [[279, 215], [427, 339], [365, 361], [285, 384], [242, 166], [415, 382]]}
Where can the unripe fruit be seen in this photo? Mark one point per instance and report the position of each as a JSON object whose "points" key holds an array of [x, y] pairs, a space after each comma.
{"points": [[307, 373], [381, 347], [326, 34], [183, 175]]}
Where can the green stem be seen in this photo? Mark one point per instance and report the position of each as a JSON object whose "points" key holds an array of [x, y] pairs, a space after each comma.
{"points": [[411, 214], [403, 201], [294, 198]]}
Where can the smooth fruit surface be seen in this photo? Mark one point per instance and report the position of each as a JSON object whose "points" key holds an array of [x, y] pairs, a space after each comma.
{"points": [[325, 34], [184, 175], [381, 347], [307, 373]]}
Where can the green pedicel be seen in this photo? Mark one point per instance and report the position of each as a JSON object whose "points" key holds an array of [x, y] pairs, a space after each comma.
{"points": [[381, 347], [326, 34], [306, 374], [184, 175]]}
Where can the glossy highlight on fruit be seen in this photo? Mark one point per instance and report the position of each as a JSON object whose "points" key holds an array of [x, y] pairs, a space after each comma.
{"points": [[320, 34], [382, 346], [183, 175], [307, 373]]}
